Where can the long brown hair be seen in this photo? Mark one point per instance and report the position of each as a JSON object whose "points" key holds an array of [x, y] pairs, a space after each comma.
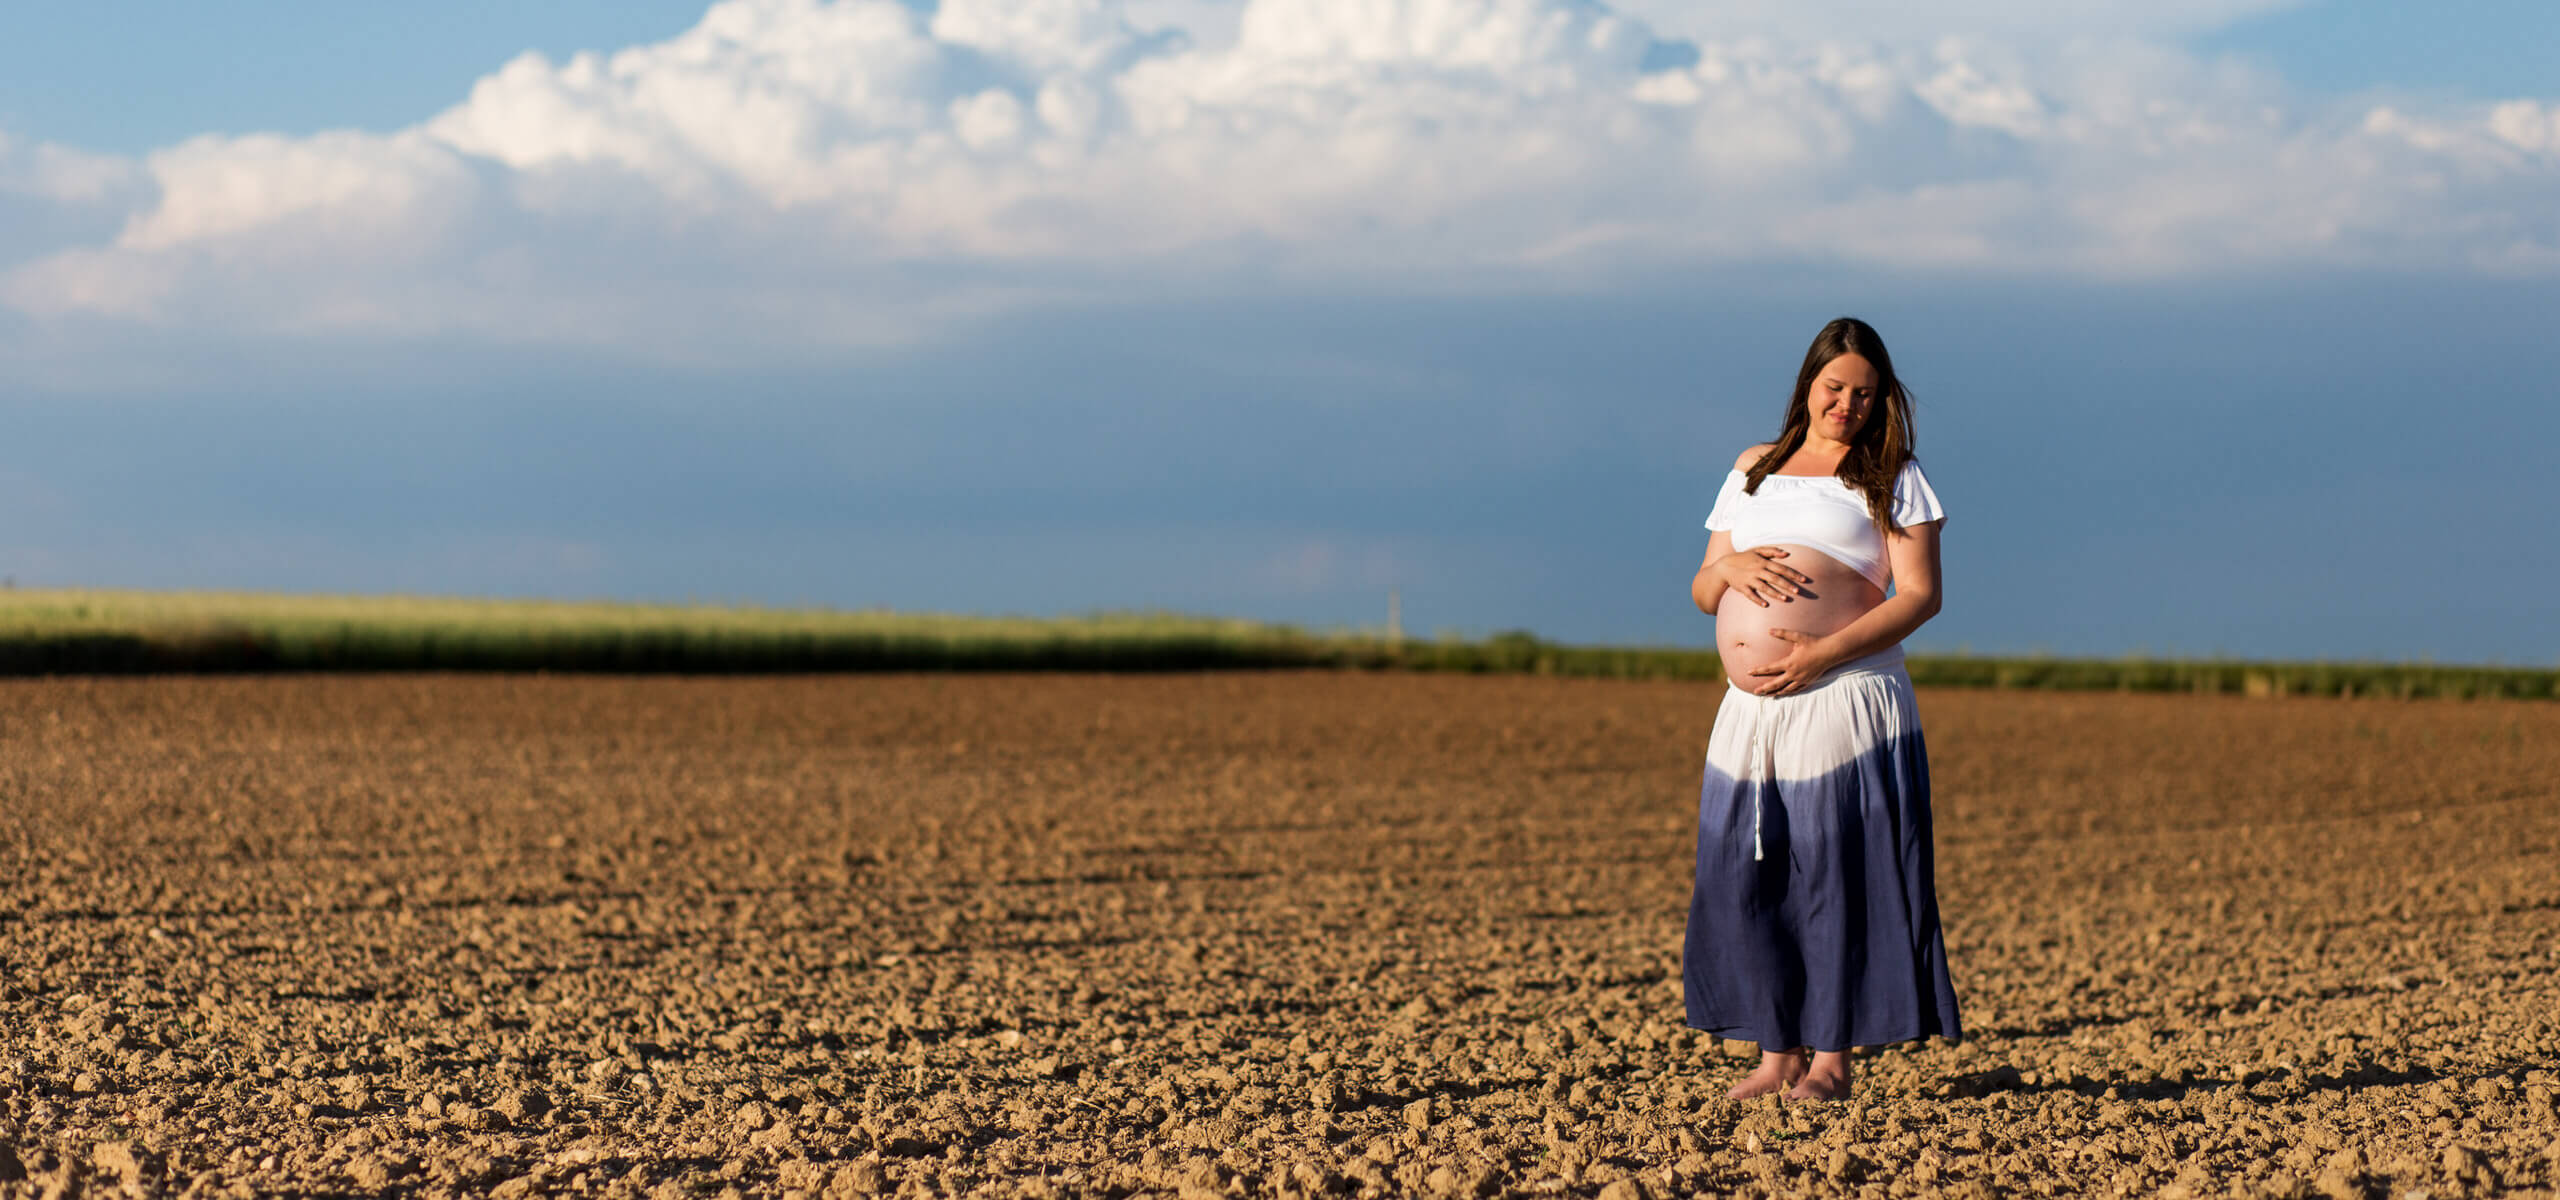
{"points": [[1879, 449]]}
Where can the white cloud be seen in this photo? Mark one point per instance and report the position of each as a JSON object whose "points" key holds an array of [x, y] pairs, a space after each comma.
{"points": [[1040, 36], [59, 174], [1888, 21], [1528, 41], [1965, 96], [331, 193], [794, 170], [2527, 126], [51, 196]]}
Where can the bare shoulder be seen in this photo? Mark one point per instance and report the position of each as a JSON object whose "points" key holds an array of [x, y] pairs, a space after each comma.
{"points": [[1751, 456]]}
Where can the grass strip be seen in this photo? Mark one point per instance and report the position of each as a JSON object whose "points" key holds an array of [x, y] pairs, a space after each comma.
{"points": [[56, 632]]}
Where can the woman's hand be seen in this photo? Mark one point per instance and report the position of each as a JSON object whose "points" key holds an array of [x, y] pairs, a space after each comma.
{"points": [[1761, 576], [1806, 659]]}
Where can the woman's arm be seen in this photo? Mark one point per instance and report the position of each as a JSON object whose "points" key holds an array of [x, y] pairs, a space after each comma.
{"points": [[1756, 572], [1706, 588], [1914, 600]]}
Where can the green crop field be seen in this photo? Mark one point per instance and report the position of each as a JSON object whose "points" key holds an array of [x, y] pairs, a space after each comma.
{"points": [[103, 632]]}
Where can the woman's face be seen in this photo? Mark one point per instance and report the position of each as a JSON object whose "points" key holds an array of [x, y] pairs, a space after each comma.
{"points": [[1843, 396]]}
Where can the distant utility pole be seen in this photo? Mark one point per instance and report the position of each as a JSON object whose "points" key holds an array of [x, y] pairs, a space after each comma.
{"points": [[1395, 615]]}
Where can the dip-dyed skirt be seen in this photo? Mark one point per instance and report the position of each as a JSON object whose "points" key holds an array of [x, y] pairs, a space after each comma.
{"points": [[1814, 919]]}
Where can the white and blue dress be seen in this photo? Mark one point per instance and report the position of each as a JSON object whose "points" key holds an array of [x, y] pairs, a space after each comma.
{"points": [[1813, 921]]}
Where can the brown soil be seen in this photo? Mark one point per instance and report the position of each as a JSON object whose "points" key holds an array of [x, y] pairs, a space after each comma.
{"points": [[1224, 934]]}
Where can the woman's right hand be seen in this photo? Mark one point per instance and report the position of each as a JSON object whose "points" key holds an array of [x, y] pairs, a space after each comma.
{"points": [[1759, 574]]}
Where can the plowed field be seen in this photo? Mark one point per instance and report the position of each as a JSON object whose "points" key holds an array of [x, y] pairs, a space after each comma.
{"points": [[1244, 935]]}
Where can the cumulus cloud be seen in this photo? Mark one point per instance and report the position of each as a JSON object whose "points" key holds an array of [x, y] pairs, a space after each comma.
{"points": [[2527, 126], [859, 170], [1898, 20], [51, 195], [59, 174]]}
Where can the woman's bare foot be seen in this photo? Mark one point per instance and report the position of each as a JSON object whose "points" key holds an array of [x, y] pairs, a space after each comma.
{"points": [[1777, 1072], [1826, 1079]]}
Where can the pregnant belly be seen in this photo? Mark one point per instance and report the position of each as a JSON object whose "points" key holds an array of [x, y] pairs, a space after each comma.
{"points": [[1840, 596]]}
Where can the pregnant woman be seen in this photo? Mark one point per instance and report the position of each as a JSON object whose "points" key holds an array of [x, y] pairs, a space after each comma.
{"points": [[1813, 924]]}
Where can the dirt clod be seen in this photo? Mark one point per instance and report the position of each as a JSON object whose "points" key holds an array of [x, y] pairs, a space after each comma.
{"points": [[125, 1162], [865, 1178], [1625, 1189], [521, 1105]]}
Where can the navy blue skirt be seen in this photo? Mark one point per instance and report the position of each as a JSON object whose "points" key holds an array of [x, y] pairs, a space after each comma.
{"points": [[1814, 919]]}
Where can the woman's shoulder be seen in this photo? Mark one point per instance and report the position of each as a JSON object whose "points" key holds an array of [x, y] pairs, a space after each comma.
{"points": [[1751, 456]]}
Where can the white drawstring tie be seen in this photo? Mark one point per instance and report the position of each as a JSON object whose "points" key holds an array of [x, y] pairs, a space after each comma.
{"points": [[1762, 765]]}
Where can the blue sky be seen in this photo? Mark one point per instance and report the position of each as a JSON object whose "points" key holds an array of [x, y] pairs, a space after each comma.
{"points": [[2226, 318]]}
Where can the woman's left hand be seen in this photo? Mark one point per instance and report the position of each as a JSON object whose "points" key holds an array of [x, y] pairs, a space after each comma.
{"points": [[1806, 659]]}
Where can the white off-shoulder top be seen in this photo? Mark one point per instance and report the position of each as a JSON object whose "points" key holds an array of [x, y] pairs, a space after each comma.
{"points": [[1823, 512]]}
